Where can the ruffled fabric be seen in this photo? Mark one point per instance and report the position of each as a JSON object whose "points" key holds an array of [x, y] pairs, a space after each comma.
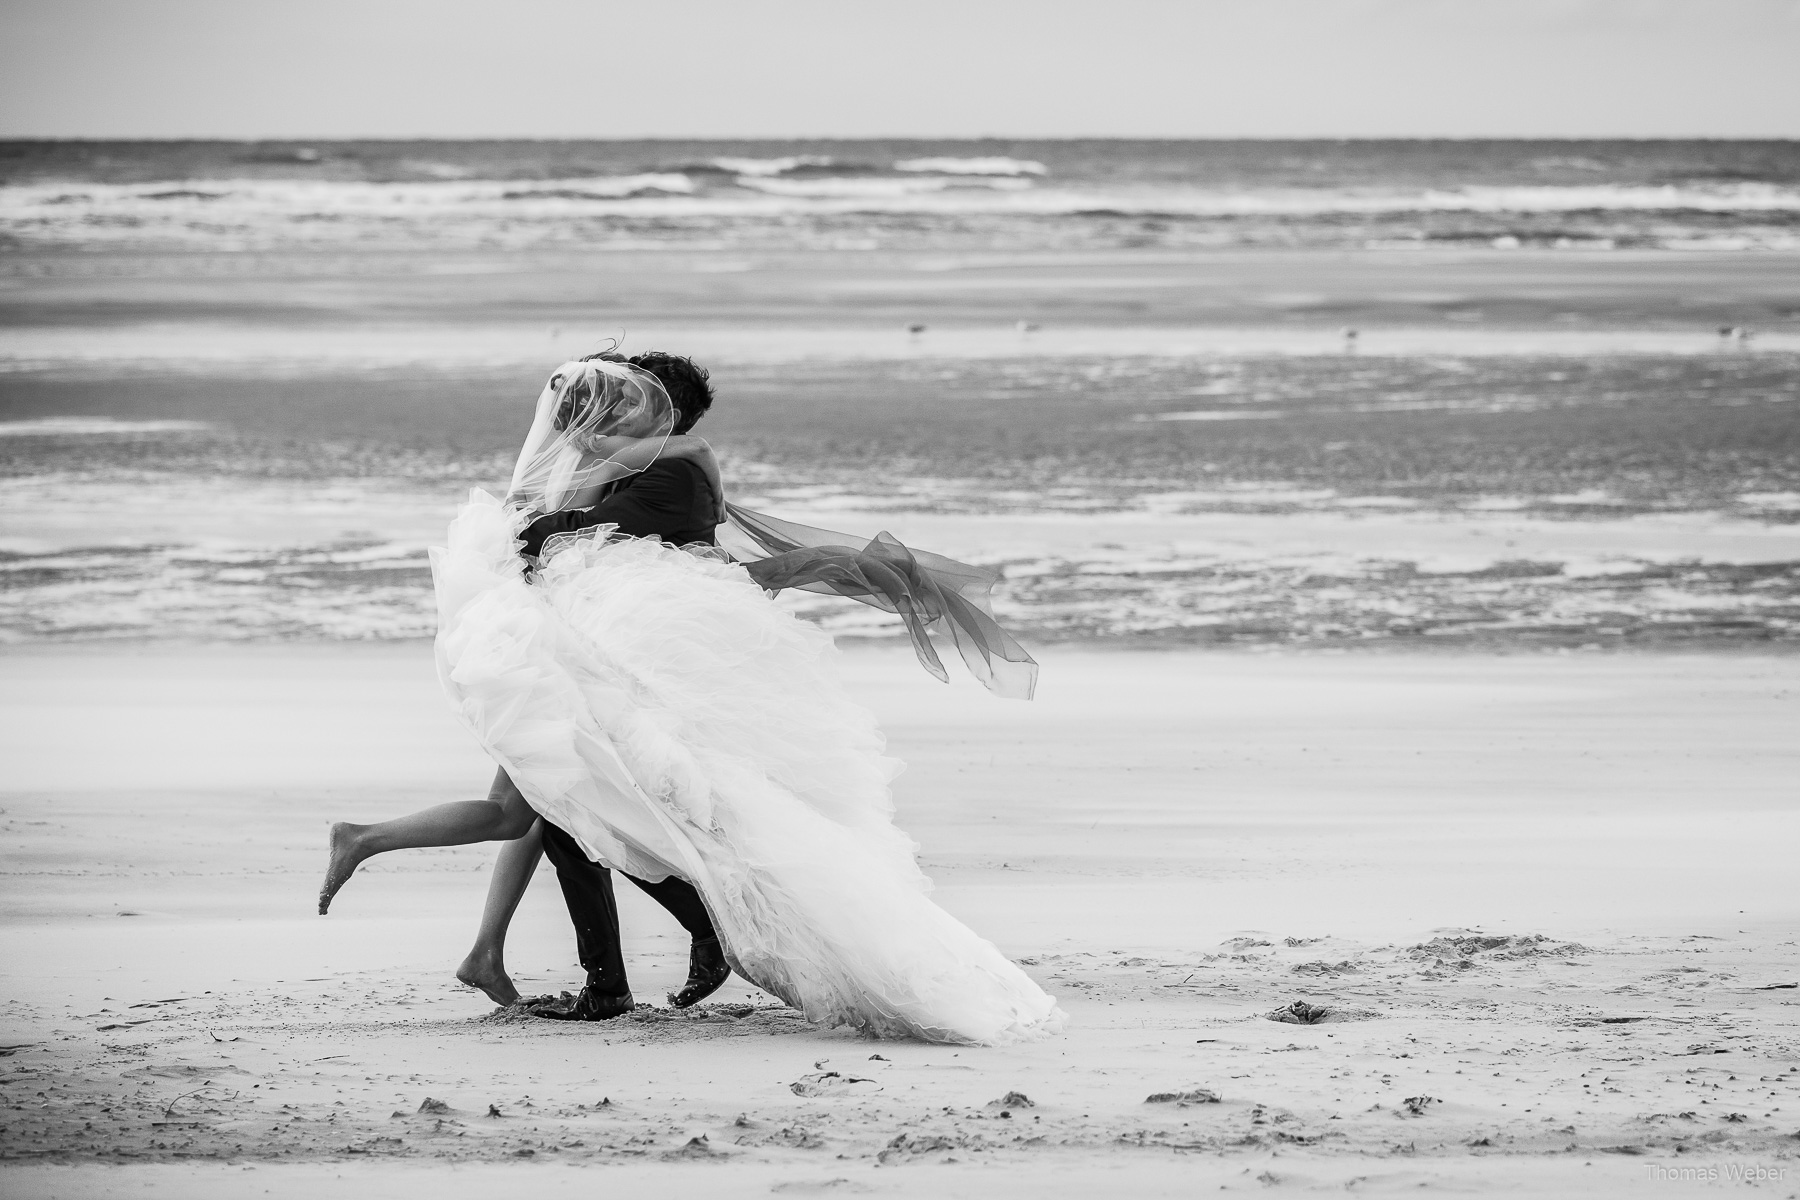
{"points": [[656, 705]]}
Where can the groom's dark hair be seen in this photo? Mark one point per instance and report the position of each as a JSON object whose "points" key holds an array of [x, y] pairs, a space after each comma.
{"points": [[686, 381]]}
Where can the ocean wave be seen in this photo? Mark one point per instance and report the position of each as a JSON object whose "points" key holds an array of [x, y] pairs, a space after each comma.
{"points": [[1728, 199], [972, 166], [95, 427], [1724, 198], [434, 170], [831, 187], [813, 164], [768, 166], [296, 197], [1777, 502], [613, 188], [1215, 414], [20, 202], [251, 214]]}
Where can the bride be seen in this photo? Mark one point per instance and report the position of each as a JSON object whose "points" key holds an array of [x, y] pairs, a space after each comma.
{"points": [[655, 704]]}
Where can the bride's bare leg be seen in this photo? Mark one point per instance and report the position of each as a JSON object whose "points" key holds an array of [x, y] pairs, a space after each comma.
{"points": [[503, 816], [485, 968]]}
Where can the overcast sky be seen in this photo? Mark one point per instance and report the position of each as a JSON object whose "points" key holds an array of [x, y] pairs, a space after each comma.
{"points": [[936, 68]]}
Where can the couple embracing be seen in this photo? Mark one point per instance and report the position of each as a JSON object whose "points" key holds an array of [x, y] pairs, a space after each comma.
{"points": [[607, 633]]}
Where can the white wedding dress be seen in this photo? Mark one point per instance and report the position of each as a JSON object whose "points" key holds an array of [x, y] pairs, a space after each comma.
{"points": [[657, 705]]}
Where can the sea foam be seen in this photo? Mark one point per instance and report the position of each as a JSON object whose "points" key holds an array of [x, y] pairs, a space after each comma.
{"points": [[972, 166], [265, 213], [95, 427]]}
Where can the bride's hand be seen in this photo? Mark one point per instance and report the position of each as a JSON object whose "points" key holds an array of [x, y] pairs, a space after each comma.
{"points": [[687, 445]]}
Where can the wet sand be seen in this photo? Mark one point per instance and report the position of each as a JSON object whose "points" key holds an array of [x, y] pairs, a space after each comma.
{"points": [[1547, 899], [775, 303], [354, 395]]}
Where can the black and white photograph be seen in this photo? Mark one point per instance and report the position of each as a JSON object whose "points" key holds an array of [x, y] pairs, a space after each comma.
{"points": [[939, 600]]}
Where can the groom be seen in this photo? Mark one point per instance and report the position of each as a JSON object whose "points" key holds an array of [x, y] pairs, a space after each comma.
{"points": [[673, 500]]}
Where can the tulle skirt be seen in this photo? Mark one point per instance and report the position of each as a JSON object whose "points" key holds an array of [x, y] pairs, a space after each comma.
{"points": [[656, 704]]}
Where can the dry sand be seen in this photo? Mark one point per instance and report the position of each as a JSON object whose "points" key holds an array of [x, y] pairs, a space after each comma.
{"points": [[1547, 900]]}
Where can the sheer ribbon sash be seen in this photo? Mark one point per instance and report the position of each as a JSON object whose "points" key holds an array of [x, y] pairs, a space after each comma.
{"points": [[924, 589]]}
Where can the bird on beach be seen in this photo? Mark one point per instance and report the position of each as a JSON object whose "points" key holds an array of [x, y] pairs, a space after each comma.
{"points": [[1027, 326], [915, 329], [1350, 336]]}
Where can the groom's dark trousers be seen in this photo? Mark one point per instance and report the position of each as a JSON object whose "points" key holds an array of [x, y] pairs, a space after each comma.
{"points": [[588, 890], [674, 501]]}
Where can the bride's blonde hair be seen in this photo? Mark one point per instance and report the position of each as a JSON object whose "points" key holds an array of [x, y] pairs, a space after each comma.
{"points": [[688, 384], [572, 445]]}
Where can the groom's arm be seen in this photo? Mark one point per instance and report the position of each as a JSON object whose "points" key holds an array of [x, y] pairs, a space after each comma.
{"points": [[669, 499]]}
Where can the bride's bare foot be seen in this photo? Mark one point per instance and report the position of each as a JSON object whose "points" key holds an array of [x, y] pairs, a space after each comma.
{"points": [[484, 969], [346, 855]]}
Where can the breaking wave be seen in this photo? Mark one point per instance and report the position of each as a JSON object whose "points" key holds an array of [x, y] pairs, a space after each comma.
{"points": [[972, 166], [521, 194], [95, 427]]}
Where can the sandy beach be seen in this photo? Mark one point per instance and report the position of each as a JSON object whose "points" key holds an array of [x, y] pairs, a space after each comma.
{"points": [[1544, 900]]}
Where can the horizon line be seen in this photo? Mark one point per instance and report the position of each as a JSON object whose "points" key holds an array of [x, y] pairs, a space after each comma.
{"points": [[898, 137]]}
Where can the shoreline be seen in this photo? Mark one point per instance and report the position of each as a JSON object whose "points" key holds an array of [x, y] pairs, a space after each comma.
{"points": [[280, 350]]}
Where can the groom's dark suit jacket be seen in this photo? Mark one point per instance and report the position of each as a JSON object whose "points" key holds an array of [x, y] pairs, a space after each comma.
{"points": [[672, 499]]}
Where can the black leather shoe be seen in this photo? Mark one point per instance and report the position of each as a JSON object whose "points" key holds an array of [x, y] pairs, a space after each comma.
{"points": [[590, 1005], [707, 973]]}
